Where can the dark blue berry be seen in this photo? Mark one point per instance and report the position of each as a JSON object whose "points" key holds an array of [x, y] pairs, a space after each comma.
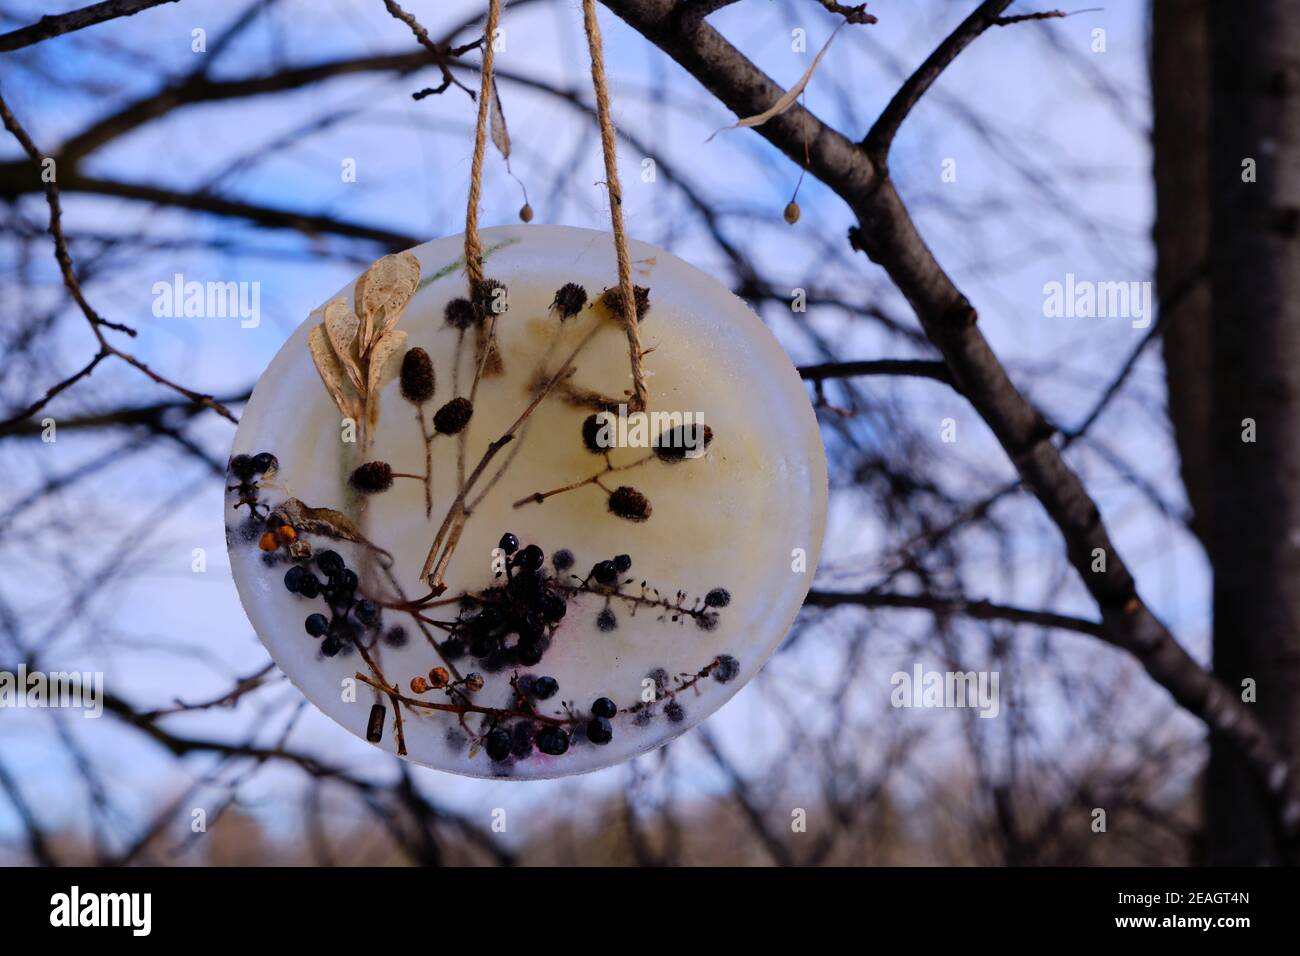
{"points": [[604, 707], [531, 558], [498, 744], [562, 560], [521, 744], [605, 620], [727, 669], [622, 563], [396, 637], [265, 462], [552, 740], [552, 606], [674, 712], [317, 624], [367, 612], [331, 562], [604, 572], [241, 466], [599, 731], [545, 687], [718, 597], [509, 543], [529, 653], [331, 646], [310, 587], [453, 648], [295, 578], [348, 581]]}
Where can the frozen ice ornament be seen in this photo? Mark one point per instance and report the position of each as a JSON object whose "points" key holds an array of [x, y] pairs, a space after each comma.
{"points": [[452, 535]]}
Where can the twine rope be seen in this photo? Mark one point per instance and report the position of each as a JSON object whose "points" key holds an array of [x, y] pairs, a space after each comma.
{"points": [[626, 292], [473, 246]]}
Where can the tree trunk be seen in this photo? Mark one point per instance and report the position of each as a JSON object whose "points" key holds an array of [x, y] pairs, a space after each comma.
{"points": [[1255, 530]]}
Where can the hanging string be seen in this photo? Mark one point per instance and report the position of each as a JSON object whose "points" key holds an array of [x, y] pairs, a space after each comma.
{"points": [[473, 247], [627, 294]]}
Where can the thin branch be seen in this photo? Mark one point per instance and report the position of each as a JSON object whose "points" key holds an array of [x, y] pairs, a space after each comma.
{"points": [[53, 25], [919, 368], [978, 610]]}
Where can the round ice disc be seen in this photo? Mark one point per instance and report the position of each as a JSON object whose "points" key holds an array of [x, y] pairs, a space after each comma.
{"points": [[639, 600]]}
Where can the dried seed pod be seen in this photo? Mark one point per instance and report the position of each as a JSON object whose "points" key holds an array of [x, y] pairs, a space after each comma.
{"points": [[419, 685], [792, 212], [569, 300], [672, 446], [474, 682], [612, 299], [439, 678], [627, 502], [592, 426], [526, 213], [452, 418], [375, 726], [489, 297], [460, 313], [372, 478], [417, 378]]}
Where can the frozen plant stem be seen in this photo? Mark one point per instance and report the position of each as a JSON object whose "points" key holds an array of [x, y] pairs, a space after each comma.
{"points": [[540, 496], [457, 515]]}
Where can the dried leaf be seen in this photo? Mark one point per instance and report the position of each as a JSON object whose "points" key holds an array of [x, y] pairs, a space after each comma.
{"points": [[500, 135], [332, 372], [788, 98], [326, 521]]}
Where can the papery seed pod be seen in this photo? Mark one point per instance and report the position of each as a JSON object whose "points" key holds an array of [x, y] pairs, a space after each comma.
{"points": [[569, 300], [452, 418], [460, 313], [526, 213], [628, 503], [372, 478], [417, 378], [375, 726], [474, 682], [792, 212]]}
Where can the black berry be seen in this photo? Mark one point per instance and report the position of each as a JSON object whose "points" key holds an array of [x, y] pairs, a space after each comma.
{"points": [[331, 646], [531, 558], [727, 669], [545, 688], [674, 712], [604, 707], [265, 462], [316, 624], [592, 426], [241, 466], [367, 612], [599, 731], [508, 543], [562, 560], [295, 578], [552, 740], [605, 572], [606, 620], [498, 744], [331, 562], [622, 563]]}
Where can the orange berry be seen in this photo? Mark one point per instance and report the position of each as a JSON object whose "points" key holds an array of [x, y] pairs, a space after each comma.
{"points": [[268, 542], [419, 685], [439, 678], [285, 533]]}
